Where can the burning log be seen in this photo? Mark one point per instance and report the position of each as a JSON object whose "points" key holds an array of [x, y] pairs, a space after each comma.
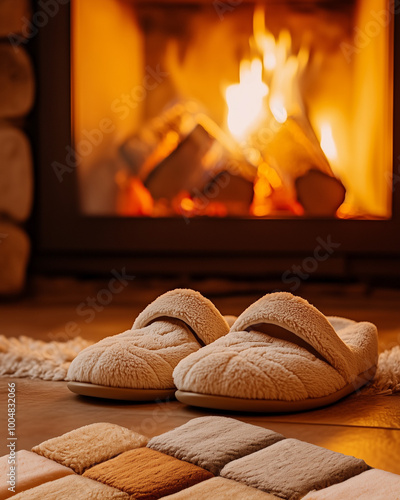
{"points": [[16, 82], [294, 152], [16, 174], [228, 189], [143, 151], [182, 170], [191, 167], [196, 165], [181, 152]]}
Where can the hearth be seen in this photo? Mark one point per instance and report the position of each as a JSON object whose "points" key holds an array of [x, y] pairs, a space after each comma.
{"points": [[224, 137]]}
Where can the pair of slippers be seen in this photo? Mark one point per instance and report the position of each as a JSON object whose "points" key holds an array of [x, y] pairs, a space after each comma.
{"points": [[280, 355]]}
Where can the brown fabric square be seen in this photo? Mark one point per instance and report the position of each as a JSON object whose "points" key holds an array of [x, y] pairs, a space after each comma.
{"points": [[147, 474]]}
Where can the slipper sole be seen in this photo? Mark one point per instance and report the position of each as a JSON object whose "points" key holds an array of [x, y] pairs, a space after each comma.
{"points": [[120, 393], [270, 405]]}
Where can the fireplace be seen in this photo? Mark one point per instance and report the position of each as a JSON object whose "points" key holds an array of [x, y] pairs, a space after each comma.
{"points": [[224, 137]]}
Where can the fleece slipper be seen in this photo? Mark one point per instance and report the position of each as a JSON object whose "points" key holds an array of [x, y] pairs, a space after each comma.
{"points": [[281, 355], [137, 365]]}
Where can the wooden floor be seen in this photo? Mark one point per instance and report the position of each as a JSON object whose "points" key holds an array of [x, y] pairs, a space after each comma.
{"points": [[364, 426]]}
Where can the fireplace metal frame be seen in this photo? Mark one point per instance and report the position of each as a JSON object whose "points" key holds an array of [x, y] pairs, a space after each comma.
{"points": [[67, 241]]}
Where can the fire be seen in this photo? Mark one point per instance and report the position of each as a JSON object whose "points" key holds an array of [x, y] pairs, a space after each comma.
{"points": [[328, 145], [293, 103], [277, 107], [268, 97], [265, 41], [269, 82], [187, 205], [246, 99]]}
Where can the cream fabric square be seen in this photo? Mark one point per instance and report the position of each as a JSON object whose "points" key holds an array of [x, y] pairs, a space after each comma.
{"points": [[90, 445]]}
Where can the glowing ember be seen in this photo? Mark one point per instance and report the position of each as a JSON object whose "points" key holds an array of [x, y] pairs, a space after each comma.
{"points": [[188, 205]]}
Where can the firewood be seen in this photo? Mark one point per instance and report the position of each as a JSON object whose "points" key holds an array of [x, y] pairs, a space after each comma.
{"points": [[231, 190], [182, 170], [156, 140], [16, 174], [13, 16], [14, 254], [319, 193], [16, 82], [134, 151], [294, 152]]}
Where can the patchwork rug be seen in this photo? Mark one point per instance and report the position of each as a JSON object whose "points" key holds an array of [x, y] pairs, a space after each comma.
{"points": [[206, 458]]}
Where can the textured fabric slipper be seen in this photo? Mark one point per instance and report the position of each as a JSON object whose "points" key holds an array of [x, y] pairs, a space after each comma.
{"points": [[138, 364], [281, 355]]}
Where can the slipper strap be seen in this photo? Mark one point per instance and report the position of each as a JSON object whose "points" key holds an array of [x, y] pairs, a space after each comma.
{"points": [[192, 308], [303, 320]]}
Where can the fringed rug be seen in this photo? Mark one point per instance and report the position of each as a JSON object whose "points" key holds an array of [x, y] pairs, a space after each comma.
{"points": [[25, 357], [387, 377]]}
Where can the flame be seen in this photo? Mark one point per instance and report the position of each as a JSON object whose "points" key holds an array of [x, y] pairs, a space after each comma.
{"points": [[245, 99], [327, 142], [277, 107], [274, 71], [265, 41]]}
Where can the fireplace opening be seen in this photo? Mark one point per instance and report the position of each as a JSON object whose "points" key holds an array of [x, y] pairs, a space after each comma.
{"points": [[262, 110]]}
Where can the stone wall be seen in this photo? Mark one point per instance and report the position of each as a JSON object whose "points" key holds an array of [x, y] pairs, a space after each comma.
{"points": [[17, 91]]}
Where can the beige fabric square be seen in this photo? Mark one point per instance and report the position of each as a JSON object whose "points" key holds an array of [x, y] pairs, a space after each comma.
{"points": [[212, 442], [221, 489], [31, 470], [290, 468], [373, 484], [90, 445], [72, 487]]}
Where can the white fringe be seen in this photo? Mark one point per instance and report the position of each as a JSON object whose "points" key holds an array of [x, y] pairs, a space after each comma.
{"points": [[25, 357], [387, 377]]}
